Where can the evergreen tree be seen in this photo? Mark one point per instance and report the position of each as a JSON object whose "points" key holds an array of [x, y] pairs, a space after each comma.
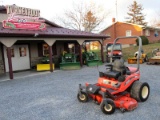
{"points": [[135, 14]]}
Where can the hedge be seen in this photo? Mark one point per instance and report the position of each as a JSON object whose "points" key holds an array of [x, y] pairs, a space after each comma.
{"points": [[145, 40]]}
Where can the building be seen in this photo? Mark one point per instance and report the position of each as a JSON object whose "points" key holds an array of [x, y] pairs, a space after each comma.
{"points": [[25, 38], [118, 29]]}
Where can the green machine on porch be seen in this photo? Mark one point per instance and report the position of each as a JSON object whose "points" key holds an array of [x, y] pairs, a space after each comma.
{"points": [[69, 62], [91, 58]]}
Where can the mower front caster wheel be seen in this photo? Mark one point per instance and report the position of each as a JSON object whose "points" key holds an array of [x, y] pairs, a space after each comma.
{"points": [[108, 107], [83, 97]]}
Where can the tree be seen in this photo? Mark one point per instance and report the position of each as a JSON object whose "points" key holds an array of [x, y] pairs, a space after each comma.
{"points": [[135, 14], [155, 21], [90, 21], [83, 17]]}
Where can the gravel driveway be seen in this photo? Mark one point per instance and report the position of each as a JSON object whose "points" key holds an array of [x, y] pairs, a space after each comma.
{"points": [[53, 96]]}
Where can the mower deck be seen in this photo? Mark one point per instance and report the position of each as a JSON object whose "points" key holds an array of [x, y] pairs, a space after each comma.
{"points": [[154, 60], [133, 60]]}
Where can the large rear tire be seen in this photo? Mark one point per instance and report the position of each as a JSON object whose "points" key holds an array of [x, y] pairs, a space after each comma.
{"points": [[140, 91], [110, 109], [83, 97]]}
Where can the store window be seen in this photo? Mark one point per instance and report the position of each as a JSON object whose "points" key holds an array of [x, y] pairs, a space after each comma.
{"points": [[45, 50], [71, 47], [22, 51]]}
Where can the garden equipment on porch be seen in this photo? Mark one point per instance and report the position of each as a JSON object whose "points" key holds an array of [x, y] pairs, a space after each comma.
{"points": [[91, 58], [44, 65], [69, 62], [117, 87]]}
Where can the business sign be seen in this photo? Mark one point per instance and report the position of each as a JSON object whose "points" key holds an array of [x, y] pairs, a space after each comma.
{"points": [[23, 18]]}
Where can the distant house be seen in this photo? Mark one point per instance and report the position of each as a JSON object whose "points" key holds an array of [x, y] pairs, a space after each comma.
{"points": [[118, 29]]}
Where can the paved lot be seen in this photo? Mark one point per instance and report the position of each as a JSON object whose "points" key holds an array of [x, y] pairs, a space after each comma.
{"points": [[53, 97]]}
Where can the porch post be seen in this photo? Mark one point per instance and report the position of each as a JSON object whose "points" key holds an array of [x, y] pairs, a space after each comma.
{"points": [[8, 42], [50, 59], [80, 55], [80, 41], [50, 42], [102, 55], [10, 62]]}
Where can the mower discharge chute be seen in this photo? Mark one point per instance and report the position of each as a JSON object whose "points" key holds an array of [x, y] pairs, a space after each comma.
{"points": [[69, 62], [155, 59], [91, 58], [117, 87]]}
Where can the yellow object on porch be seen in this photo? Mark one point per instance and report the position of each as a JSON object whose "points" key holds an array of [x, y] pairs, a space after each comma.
{"points": [[43, 67]]}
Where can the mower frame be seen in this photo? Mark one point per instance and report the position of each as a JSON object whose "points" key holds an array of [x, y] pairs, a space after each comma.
{"points": [[116, 89]]}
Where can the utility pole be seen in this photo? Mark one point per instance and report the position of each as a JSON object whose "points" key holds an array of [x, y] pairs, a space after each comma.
{"points": [[116, 12]]}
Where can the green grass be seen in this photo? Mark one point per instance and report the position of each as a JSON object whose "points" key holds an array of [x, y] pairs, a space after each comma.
{"points": [[129, 52]]}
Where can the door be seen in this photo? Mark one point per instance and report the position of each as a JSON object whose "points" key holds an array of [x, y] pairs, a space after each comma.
{"points": [[20, 58]]}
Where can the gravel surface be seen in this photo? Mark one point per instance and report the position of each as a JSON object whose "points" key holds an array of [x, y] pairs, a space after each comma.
{"points": [[53, 96]]}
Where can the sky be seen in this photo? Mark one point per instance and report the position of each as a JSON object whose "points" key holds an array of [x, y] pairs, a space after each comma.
{"points": [[51, 8]]}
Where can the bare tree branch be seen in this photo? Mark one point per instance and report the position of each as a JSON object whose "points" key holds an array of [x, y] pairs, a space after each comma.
{"points": [[83, 17]]}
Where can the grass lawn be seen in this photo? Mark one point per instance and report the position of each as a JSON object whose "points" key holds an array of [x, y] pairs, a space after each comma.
{"points": [[129, 52]]}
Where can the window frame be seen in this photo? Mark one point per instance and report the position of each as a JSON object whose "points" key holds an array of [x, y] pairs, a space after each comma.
{"points": [[128, 33], [45, 49], [147, 32]]}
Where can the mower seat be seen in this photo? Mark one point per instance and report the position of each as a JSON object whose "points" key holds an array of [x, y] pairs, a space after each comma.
{"points": [[119, 66], [112, 74], [117, 69]]}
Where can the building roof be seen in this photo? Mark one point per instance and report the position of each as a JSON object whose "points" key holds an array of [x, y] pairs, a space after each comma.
{"points": [[141, 26], [53, 30], [50, 31]]}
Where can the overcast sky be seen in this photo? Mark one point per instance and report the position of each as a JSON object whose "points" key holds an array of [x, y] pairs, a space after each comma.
{"points": [[51, 8]]}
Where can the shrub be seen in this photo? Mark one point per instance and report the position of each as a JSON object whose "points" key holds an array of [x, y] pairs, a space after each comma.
{"points": [[145, 40]]}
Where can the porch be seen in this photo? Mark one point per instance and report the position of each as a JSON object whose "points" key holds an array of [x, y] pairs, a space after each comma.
{"points": [[23, 74]]}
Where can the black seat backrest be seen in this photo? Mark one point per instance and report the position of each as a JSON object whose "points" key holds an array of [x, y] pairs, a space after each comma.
{"points": [[118, 65]]}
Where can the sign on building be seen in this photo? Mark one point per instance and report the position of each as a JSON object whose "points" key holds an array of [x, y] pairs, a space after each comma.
{"points": [[23, 18]]}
